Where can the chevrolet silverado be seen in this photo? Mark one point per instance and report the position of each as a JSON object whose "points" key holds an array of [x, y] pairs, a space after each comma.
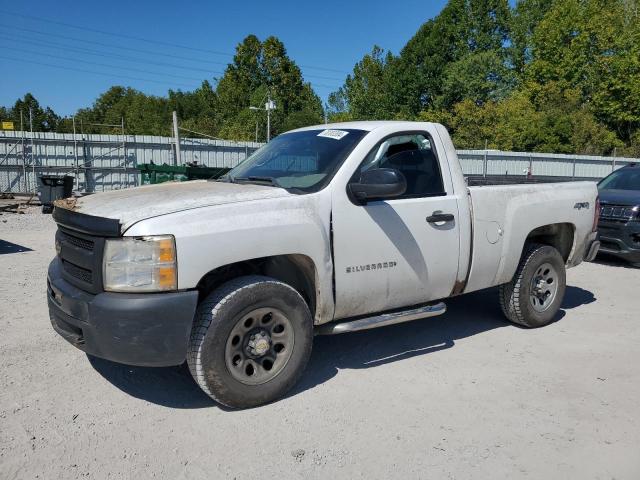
{"points": [[324, 230]]}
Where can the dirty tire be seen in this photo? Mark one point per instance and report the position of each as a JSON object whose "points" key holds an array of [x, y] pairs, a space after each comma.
{"points": [[46, 209], [515, 295], [217, 316]]}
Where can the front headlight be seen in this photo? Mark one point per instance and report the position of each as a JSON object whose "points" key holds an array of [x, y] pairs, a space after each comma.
{"points": [[140, 264]]}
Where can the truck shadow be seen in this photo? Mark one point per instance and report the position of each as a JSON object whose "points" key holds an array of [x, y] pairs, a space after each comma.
{"points": [[167, 386], [466, 316], [8, 247]]}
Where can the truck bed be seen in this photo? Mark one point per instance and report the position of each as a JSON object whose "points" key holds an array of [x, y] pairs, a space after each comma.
{"points": [[503, 216]]}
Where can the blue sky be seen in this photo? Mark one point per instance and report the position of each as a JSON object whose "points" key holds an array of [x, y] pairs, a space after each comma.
{"points": [[58, 63]]}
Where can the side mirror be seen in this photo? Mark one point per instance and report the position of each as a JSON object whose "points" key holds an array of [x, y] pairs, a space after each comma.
{"points": [[379, 183]]}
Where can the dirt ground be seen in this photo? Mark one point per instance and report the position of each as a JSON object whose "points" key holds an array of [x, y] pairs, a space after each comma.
{"points": [[464, 395]]}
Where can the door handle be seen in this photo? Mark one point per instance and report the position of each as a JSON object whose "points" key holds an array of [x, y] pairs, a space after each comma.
{"points": [[438, 216]]}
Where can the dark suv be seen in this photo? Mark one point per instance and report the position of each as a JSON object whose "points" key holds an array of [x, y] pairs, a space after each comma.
{"points": [[619, 226]]}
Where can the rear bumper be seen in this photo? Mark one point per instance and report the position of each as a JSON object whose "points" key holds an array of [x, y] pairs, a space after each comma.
{"points": [[621, 240], [585, 251], [137, 329]]}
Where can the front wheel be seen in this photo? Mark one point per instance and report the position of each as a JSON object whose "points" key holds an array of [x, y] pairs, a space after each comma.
{"points": [[534, 295], [250, 342]]}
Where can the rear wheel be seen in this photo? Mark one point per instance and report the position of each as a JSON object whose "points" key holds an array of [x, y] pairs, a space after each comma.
{"points": [[535, 293], [251, 341]]}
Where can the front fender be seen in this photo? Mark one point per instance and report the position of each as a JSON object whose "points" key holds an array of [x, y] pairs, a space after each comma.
{"points": [[211, 237]]}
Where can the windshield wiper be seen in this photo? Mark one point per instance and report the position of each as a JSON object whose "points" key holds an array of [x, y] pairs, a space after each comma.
{"points": [[268, 180]]}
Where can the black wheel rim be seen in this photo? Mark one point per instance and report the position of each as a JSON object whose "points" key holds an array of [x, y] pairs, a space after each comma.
{"points": [[259, 346]]}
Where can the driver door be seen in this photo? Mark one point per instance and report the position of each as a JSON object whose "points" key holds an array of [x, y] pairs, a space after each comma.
{"points": [[387, 254]]}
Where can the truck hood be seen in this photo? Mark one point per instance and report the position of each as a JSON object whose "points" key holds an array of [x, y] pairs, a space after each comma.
{"points": [[131, 205], [620, 197]]}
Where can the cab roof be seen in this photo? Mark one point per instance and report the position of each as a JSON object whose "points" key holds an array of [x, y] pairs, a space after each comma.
{"points": [[366, 125]]}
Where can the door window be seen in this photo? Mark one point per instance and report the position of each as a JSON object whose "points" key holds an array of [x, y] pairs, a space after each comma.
{"points": [[413, 155]]}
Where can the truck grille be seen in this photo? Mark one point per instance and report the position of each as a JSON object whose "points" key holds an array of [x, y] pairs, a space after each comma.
{"points": [[621, 213], [81, 257], [77, 272], [78, 242]]}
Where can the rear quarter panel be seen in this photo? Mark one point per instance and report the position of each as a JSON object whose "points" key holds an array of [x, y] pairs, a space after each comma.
{"points": [[503, 217]]}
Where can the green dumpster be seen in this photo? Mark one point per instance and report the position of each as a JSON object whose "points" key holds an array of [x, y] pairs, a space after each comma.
{"points": [[151, 174]]}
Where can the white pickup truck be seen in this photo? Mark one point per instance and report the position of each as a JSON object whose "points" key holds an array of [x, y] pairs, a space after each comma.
{"points": [[324, 230]]}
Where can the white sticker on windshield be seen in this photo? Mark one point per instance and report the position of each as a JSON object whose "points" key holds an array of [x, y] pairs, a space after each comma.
{"points": [[335, 134]]}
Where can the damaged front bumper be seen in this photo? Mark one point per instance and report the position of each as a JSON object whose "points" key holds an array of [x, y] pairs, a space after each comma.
{"points": [[149, 329]]}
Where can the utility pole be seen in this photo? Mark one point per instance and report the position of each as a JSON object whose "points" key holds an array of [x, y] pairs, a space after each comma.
{"points": [[268, 120], [124, 145], [484, 163], [176, 136], [33, 162], [270, 105], [24, 157], [75, 152]]}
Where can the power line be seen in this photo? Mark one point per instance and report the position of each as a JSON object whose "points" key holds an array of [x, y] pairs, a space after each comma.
{"points": [[122, 67], [122, 35], [138, 50], [132, 49], [158, 42], [88, 51], [101, 44], [63, 67], [35, 62], [125, 58]]}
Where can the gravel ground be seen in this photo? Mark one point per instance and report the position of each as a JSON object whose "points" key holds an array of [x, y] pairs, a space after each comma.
{"points": [[458, 396]]}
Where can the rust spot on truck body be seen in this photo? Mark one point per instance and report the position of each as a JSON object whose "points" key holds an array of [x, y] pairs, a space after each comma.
{"points": [[66, 203], [458, 287]]}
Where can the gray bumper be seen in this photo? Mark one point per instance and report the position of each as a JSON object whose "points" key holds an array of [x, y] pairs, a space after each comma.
{"points": [[149, 329]]}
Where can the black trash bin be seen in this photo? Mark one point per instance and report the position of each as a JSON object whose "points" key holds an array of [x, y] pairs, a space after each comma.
{"points": [[53, 187]]}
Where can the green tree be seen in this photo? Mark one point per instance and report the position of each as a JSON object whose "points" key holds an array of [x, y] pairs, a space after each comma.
{"points": [[525, 18], [197, 110], [459, 54], [142, 114], [479, 77], [367, 93], [241, 79], [549, 120], [44, 119], [262, 70], [593, 46]]}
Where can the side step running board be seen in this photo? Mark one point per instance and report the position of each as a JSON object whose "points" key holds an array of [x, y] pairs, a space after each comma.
{"points": [[381, 320]]}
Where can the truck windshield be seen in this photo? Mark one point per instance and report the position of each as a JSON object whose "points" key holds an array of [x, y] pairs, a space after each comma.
{"points": [[623, 179], [304, 161]]}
